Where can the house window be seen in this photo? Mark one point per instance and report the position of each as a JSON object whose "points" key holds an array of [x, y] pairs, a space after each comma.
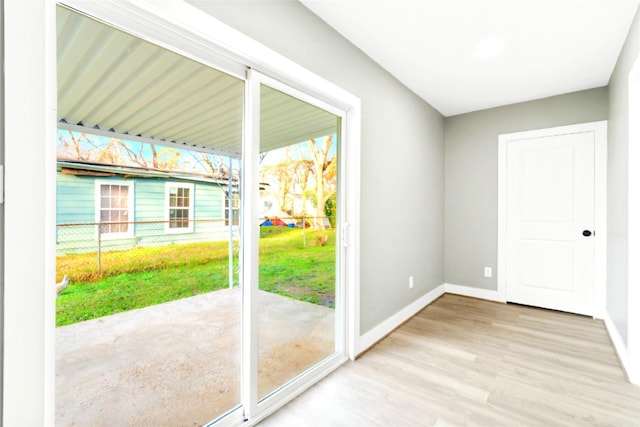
{"points": [[235, 209], [114, 202], [179, 208]]}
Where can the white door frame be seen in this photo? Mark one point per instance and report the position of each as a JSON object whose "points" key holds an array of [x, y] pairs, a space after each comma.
{"points": [[30, 126], [254, 409], [600, 204], [633, 223]]}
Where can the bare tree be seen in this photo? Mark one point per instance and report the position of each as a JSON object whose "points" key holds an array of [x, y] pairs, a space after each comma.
{"points": [[115, 151], [73, 146], [306, 171], [283, 181], [325, 177]]}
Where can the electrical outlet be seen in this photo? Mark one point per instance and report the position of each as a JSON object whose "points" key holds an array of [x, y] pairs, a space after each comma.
{"points": [[488, 272], [410, 282]]}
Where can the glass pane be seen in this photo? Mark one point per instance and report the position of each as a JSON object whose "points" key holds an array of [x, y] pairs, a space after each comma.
{"points": [[148, 331], [105, 202], [124, 226], [297, 251], [124, 197]]}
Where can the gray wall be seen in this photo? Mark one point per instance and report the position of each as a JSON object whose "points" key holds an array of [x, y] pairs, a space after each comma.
{"points": [[617, 181], [402, 152], [471, 175]]}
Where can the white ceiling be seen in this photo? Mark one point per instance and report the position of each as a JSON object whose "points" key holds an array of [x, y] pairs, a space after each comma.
{"points": [[551, 47]]}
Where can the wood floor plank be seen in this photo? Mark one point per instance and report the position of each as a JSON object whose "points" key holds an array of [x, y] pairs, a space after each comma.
{"points": [[468, 362]]}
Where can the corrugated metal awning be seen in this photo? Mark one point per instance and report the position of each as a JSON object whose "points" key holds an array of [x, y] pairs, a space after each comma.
{"points": [[110, 82]]}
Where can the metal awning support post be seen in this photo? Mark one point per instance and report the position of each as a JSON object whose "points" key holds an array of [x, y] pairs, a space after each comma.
{"points": [[230, 215], [100, 246]]}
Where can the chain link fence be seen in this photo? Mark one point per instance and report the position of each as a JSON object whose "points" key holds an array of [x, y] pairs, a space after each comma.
{"points": [[91, 249]]}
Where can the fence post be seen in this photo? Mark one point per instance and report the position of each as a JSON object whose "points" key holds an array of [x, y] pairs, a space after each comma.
{"points": [[99, 245], [304, 236]]}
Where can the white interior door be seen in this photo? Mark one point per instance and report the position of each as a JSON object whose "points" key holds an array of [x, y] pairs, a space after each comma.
{"points": [[550, 222]]}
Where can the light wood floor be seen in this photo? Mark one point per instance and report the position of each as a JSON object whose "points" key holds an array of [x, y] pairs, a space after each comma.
{"points": [[468, 362]]}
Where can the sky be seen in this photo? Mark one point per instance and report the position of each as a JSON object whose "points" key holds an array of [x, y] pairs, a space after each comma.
{"points": [[274, 157], [91, 145]]}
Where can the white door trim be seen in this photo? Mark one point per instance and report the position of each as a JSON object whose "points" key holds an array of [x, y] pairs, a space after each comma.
{"points": [[633, 255], [256, 409], [30, 95], [600, 204], [30, 213]]}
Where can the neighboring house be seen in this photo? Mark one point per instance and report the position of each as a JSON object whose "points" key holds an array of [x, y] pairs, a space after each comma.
{"points": [[270, 208], [121, 207]]}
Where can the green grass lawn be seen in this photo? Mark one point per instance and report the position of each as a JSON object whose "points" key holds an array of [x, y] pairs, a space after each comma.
{"points": [[146, 276]]}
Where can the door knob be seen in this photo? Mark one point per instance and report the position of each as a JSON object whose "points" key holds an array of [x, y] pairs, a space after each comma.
{"points": [[586, 233]]}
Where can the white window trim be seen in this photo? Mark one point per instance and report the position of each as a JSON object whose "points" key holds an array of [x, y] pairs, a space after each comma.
{"points": [[167, 189], [225, 208], [130, 206]]}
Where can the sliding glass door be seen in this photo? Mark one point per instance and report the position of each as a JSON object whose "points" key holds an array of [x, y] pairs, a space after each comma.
{"points": [[298, 260], [148, 311], [293, 274], [200, 266]]}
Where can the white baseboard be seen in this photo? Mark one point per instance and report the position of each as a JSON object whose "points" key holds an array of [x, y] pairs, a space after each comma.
{"points": [[385, 328], [618, 344], [468, 291]]}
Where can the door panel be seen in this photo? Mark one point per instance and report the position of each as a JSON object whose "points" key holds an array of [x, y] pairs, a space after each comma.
{"points": [[548, 271], [298, 258], [158, 245], [550, 202]]}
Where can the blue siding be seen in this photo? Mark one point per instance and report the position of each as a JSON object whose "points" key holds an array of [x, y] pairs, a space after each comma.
{"points": [[149, 194], [75, 199], [76, 204]]}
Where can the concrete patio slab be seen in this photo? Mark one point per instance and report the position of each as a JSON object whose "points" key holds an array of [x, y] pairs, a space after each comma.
{"points": [[178, 363]]}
